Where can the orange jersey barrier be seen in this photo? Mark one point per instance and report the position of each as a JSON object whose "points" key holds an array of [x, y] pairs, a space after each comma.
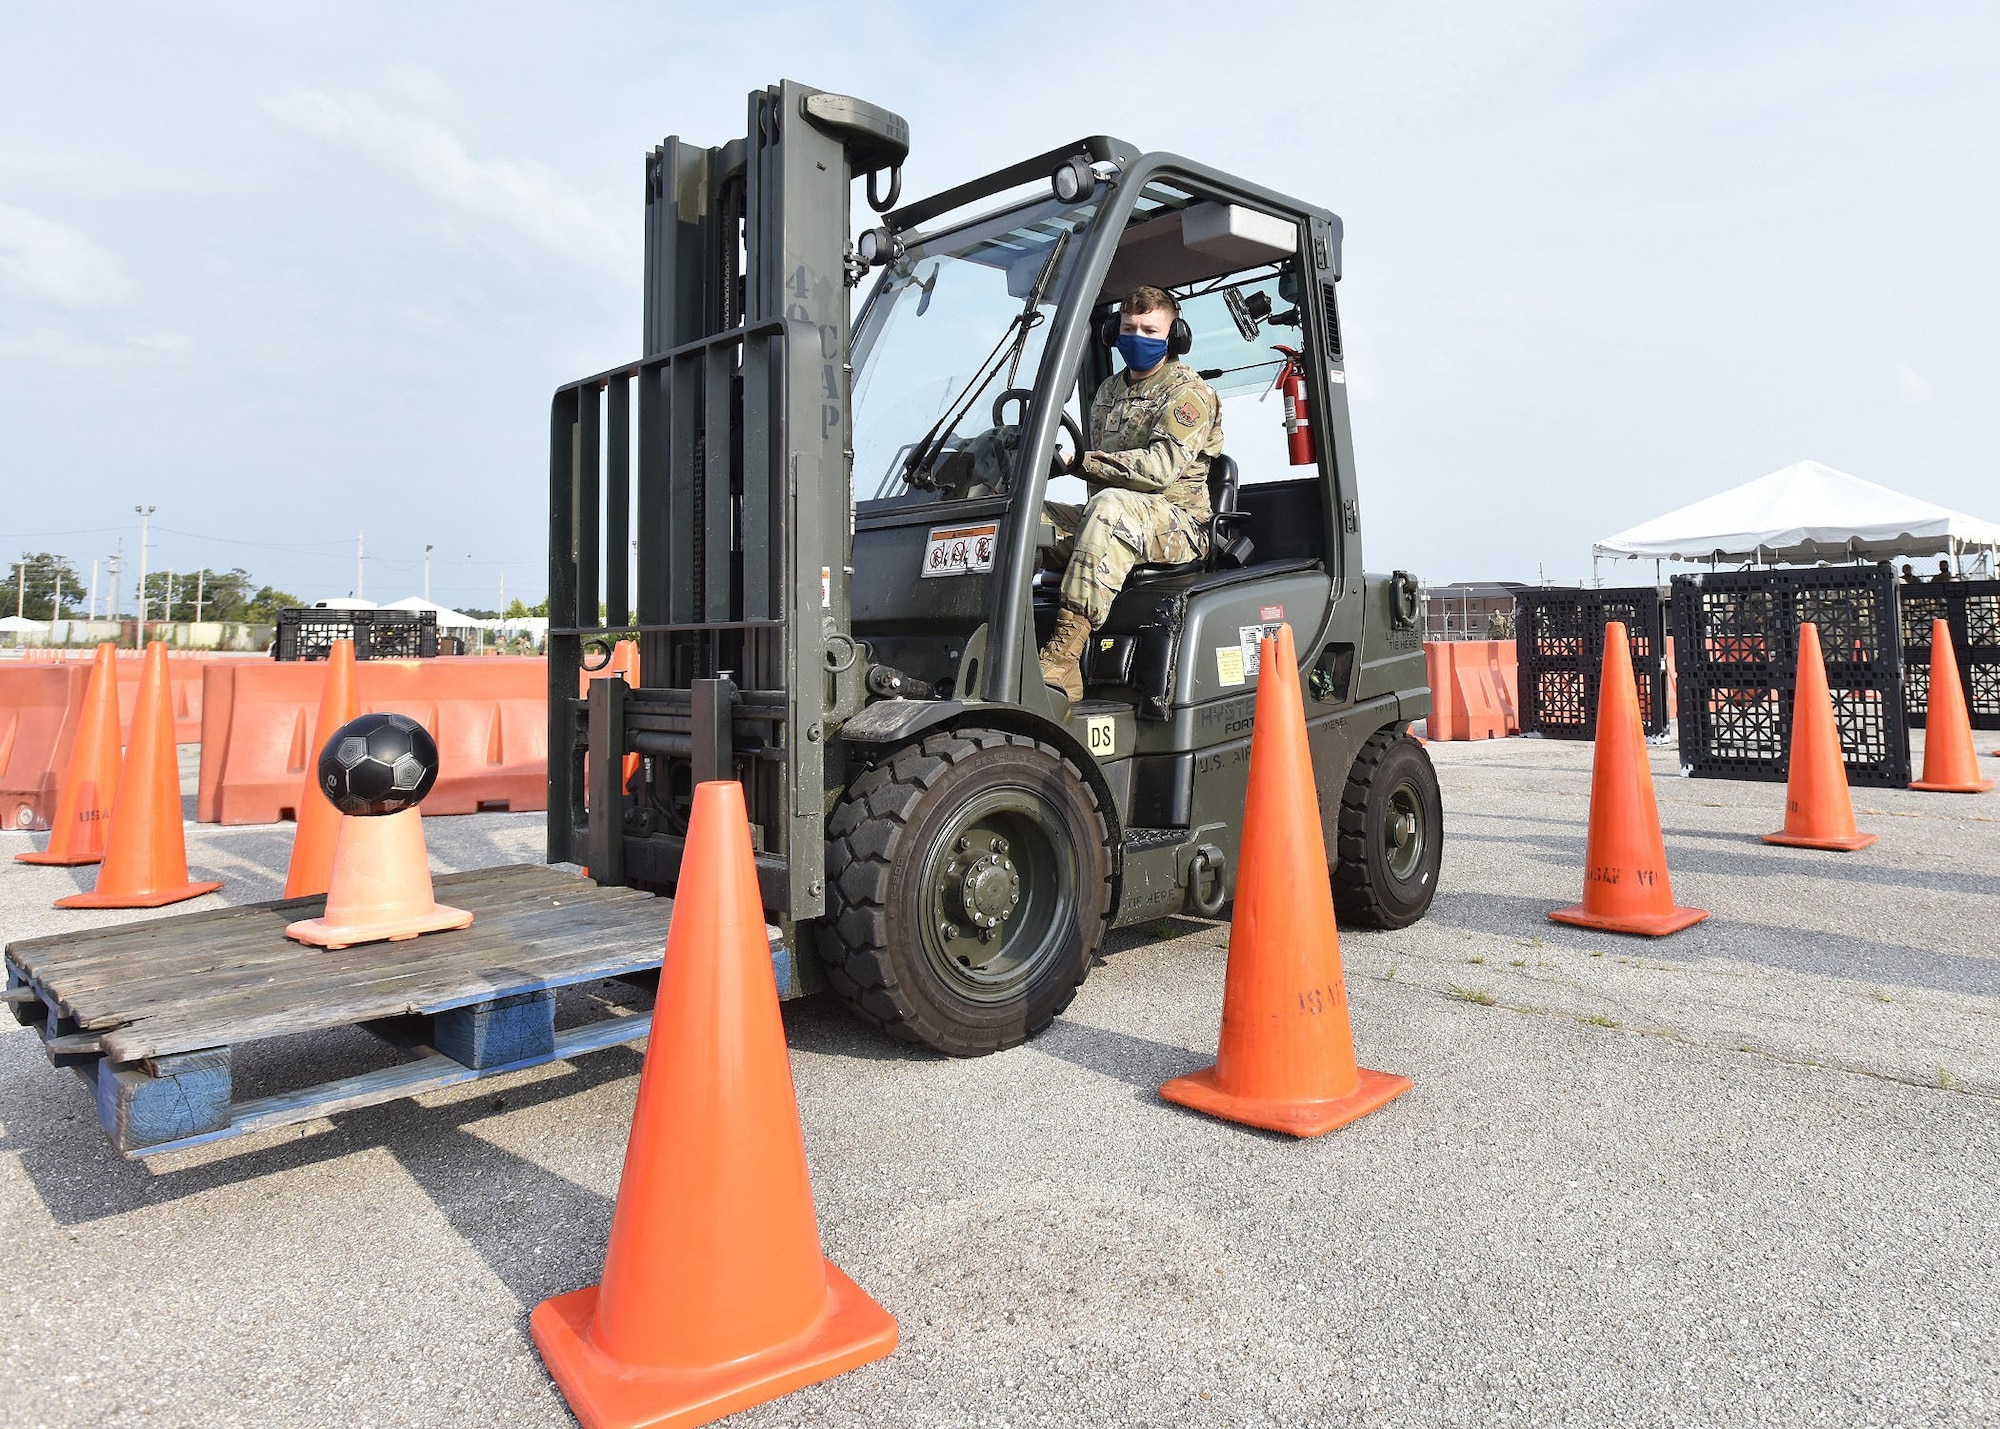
{"points": [[489, 716], [1475, 689], [41, 706]]}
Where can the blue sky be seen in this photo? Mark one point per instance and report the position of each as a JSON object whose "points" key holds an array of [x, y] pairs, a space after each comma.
{"points": [[286, 271]]}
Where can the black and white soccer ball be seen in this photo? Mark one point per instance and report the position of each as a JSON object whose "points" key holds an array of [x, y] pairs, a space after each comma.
{"points": [[378, 764]]}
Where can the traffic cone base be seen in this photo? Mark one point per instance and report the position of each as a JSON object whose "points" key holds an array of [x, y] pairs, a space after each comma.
{"points": [[152, 898], [605, 1394], [1201, 1092], [1645, 925], [1833, 845], [380, 891], [56, 857], [1969, 786]]}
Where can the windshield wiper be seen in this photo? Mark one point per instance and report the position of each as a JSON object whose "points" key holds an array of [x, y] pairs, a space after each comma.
{"points": [[1009, 351]]}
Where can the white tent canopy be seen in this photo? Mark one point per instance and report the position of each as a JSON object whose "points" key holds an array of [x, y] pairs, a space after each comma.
{"points": [[1803, 513], [447, 618]]}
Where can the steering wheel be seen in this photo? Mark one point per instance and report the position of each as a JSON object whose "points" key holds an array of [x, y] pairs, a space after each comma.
{"points": [[1069, 426]]}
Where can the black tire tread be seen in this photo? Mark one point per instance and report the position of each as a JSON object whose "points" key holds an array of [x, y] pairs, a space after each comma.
{"points": [[862, 838], [1356, 899]]}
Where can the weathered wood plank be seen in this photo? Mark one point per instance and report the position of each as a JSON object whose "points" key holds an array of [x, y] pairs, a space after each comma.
{"points": [[183, 1096], [184, 942], [374, 980], [507, 1029], [389, 1084], [497, 929]]}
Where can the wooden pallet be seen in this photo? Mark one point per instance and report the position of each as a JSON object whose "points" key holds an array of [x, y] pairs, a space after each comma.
{"points": [[148, 1012]]}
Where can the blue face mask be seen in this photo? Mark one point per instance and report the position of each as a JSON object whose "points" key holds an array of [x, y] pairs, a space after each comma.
{"points": [[1141, 353]]}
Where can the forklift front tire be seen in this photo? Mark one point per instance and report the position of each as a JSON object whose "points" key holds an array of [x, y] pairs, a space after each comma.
{"points": [[968, 886], [1391, 834]]}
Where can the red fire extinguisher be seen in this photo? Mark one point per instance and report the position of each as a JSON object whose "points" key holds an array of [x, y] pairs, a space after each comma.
{"points": [[1298, 422]]}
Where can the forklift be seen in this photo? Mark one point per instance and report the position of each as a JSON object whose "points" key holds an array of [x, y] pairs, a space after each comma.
{"points": [[824, 529]]}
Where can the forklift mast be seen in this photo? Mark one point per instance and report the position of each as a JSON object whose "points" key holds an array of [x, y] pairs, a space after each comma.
{"points": [[737, 497]]}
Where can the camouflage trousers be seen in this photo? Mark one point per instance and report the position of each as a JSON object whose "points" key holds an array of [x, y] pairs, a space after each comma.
{"points": [[1099, 542]]}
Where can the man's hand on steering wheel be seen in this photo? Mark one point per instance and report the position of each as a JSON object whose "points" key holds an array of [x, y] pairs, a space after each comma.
{"points": [[1059, 464]]}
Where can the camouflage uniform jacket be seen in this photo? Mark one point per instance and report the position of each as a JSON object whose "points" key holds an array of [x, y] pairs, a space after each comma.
{"points": [[1156, 436]]}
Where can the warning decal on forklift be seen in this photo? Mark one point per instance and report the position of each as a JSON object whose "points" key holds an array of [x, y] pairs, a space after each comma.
{"points": [[1229, 664], [960, 550], [1251, 637], [1100, 733]]}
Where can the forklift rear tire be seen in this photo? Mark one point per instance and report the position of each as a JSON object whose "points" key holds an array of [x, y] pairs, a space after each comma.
{"points": [[1391, 838], [968, 886]]}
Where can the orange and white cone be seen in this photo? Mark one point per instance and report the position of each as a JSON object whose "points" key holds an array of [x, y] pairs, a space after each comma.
{"points": [[145, 852], [1625, 883], [1286, 1060], [318, 827], [1950, 766], [1819, 811], [715, 1294], [90, 780]]}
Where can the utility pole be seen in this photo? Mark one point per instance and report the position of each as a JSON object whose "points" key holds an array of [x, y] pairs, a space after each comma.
{"points": [[21, 589], [93, 587], [55, 605], [168, 614], [360, 557], [200, 581], [117, 577], [145, 521], [427, 573]]}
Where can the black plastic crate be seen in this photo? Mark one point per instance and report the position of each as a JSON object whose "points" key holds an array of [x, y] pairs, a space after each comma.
{"points": [[1972, 611], [309, 633], [1736, 637], [1559, 645]]}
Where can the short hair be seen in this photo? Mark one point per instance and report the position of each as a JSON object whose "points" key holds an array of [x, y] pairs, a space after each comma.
{"points": [[1148, 300]]}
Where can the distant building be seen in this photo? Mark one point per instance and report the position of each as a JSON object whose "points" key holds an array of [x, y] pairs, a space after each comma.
{"points": [[1470, 610]]}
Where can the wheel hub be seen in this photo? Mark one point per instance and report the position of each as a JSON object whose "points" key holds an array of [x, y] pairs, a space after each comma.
{"points": [[989, 889]]}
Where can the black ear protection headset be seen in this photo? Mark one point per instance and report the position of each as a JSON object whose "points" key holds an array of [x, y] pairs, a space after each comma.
{"points": [[1180, 337]]}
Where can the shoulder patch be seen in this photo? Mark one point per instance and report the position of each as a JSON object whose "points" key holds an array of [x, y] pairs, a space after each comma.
{"points": [[1187, 413]]}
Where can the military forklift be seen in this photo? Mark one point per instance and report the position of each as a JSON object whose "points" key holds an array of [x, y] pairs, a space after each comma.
{"points": [[824, 531]]}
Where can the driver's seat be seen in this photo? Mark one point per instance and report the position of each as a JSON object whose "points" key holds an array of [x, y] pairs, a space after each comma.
{"points": [[1228, 547]]}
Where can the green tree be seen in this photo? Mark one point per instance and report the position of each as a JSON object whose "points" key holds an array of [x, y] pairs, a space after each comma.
{"points": [[42, 570], [170, 595], [263, 607]]}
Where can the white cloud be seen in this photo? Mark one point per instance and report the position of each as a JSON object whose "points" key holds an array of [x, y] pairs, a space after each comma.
{"points": [[522, 197], [1913, 387], [46, 263]]}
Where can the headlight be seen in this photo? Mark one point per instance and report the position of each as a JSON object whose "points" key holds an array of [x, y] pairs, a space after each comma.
{"points": [[878, 246], [1074, 179]]}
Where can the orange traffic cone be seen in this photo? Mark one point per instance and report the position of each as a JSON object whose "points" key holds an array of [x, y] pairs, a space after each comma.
{"points": [[83, 804], [1625, 883], [145, 850], [1819, 813], [380, 887], [1950, 766], [1286, 1057], [715, 1295], [318, 821]]}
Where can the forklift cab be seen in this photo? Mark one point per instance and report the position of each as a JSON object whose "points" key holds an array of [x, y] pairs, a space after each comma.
{"points": [[975, 360]]}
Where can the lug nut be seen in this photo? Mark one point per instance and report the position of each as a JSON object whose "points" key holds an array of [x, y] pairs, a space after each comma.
{"points": [[999, 845], [949, 930]]}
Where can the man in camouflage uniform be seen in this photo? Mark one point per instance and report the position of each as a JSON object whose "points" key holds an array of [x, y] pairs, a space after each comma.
{"points": [[1154, 429]]}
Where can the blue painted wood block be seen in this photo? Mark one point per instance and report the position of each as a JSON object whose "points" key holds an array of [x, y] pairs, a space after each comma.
{"points": [[164, 1098], [507, 1029]]}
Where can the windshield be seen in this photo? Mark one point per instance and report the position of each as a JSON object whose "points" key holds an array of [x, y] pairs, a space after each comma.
{"points": [[948, 331]]}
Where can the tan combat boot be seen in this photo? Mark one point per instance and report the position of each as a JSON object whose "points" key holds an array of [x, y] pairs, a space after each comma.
{"points": [[1061, 657]]}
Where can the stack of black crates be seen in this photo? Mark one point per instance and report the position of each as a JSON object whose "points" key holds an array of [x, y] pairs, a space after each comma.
{"points": [[1559, 644], [1972, 611], [1736, 637], [308, 633]]}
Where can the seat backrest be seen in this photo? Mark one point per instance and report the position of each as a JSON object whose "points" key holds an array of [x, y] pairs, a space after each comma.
{"points": [[1223, 482]]}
